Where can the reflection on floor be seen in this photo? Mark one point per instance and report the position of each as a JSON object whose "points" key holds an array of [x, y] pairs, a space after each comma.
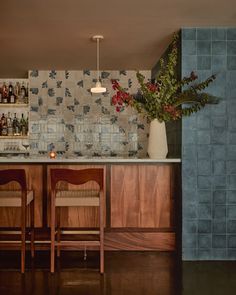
{"points": [[145, 273]]}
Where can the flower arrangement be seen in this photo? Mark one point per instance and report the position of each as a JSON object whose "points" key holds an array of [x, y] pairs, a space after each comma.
{"points": [[162, 99]]}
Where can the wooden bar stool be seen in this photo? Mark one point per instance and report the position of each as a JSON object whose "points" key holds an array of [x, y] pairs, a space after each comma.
{"points": [[76, 198], [19, 199]]}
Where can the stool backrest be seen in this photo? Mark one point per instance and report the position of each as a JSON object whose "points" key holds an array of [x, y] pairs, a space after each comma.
{"points": [[76, 177], [17, 175]]}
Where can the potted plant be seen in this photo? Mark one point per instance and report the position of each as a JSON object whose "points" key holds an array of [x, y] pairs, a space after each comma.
{"points": [[161, 100]]}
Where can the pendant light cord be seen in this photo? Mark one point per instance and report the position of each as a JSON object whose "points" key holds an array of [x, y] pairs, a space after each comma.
{"points": [[98, 76]]}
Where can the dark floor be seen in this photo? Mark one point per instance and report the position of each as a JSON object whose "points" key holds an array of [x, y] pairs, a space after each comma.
{"points": [[125, 273]]}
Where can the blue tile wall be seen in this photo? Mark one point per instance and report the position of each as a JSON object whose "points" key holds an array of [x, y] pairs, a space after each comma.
{"points": [[209, 148]]}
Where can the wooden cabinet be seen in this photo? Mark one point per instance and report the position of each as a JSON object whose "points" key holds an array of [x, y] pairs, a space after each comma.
{"points": [[141, 203], [142, 196]]}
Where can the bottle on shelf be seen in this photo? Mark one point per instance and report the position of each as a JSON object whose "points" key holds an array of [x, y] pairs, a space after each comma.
{"points": [[22, 93], [5, 93], [16, 126], [3, 125], [23, 127], [11, 95], [9, 125], [27, 93], [27, 124], [1, 93], [17, 90]]}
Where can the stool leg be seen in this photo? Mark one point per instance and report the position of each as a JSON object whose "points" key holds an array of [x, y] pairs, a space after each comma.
{"points": [[101, 202], [23, 225], [32, 228], [58, 210], [53, 232]]}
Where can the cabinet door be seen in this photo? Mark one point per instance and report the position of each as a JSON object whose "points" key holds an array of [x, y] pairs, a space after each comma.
{"points": [[141, 196], [124, 196], [155, 195]]}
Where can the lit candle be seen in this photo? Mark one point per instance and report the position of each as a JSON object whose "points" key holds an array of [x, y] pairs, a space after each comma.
{"points": [[52, 155]]}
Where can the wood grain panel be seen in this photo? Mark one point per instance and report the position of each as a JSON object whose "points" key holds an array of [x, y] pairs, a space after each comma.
{"points": [[141, 196], [77, 216], [124, 196], [10, 217], [140, 241], [155, 195]]}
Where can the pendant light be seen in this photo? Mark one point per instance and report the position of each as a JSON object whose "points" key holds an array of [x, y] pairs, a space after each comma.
{"points": [[98, 86]]}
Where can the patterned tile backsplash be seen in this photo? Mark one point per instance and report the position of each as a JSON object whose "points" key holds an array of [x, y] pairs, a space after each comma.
{"points": [[66, 117]]}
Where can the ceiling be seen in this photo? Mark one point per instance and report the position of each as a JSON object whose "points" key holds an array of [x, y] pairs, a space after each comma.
{"points": [[56, 34]]}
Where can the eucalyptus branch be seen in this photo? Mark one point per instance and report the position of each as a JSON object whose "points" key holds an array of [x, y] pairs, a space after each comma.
{"points": [[163, 98]]}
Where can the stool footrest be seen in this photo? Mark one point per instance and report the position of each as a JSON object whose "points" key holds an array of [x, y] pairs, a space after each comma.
{"points": [[80, 232], [78, 243]]}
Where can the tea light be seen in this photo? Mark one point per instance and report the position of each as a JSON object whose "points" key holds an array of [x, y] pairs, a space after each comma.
{"points": [[52, 155]]}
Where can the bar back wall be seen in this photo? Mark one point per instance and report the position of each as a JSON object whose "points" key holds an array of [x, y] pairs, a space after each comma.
{"points": [[66, 117]]}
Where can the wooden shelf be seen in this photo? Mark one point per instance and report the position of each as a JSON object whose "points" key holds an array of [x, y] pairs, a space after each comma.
{"points": [[17, 105], [14, 152], [14, 137]]}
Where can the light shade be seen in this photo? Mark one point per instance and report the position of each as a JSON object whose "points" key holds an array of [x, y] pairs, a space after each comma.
{"points": [[98, 88]]}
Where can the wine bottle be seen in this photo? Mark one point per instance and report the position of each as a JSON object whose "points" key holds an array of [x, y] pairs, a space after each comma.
{"points": [[27, 125], [17, 91], [22, 93], [4, 125], [4, 93], [1, 93], [11, 95], [9, 125], [16, 125], [23, 125]]}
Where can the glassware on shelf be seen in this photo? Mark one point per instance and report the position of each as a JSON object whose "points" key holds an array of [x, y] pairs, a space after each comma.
{"points": [[25, 144]]}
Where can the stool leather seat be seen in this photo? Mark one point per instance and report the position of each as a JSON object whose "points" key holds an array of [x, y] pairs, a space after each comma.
{"points": [[74, 198], [13, 198]]}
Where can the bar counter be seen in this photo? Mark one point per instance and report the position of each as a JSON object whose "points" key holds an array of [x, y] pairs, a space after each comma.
{"points": [[92, 160], [142, 201]]}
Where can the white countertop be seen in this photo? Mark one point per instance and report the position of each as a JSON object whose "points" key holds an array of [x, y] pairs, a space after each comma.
{"points": [[79, 160]]}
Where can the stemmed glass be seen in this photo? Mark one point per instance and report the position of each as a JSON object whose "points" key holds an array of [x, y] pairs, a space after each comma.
{"points": [[25, 144]]}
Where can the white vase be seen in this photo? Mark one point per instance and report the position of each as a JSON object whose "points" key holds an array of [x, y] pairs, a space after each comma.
{"points": [[157, 141]]}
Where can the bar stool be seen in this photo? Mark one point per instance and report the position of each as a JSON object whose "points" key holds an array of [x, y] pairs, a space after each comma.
{"points": [[76, 198], [19, 199]]}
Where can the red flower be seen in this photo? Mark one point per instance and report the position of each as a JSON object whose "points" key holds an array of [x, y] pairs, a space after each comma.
{"points": [[193, 76], [114, 100], [172, 111], [152, 87], [115, 84]]}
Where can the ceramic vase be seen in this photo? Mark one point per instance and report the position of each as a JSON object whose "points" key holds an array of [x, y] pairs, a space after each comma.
{"points": [[157, 141]]}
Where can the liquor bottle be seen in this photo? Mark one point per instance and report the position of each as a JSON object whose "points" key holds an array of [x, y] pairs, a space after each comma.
{"points": [[17, 91], [0, 93], [4, 125], [22, 93], [23, 125], [9, 125], [4, 93], [16, 125], [27, 93], [27, 124], [11, 95]]}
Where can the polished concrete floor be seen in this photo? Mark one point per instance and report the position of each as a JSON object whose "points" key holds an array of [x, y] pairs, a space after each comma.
{"points": [[145, 273]]}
